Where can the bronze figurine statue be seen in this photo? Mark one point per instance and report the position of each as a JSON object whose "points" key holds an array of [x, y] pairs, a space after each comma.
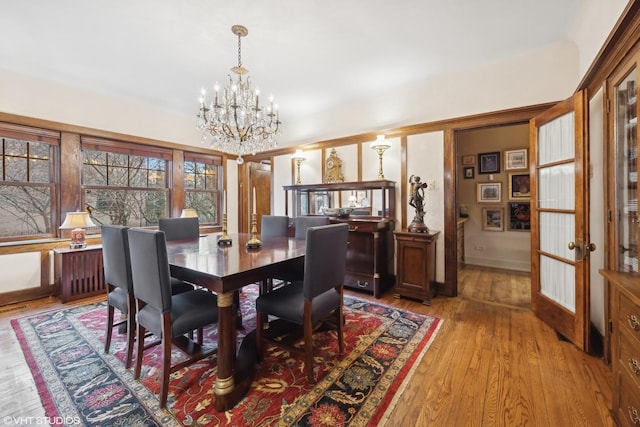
{"points": [[417, 201]]}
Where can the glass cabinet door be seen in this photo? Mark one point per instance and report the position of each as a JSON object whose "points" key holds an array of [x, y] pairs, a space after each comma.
{"points": [[626, 183]]}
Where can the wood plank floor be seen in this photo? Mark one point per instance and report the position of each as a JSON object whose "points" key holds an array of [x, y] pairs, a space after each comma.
{"points": [[493, 363]]}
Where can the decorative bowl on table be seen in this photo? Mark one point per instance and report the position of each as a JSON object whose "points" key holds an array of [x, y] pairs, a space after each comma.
{"points": [[337, 212]]}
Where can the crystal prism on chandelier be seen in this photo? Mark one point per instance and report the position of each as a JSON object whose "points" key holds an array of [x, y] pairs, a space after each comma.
{"points": [[234, 121]]}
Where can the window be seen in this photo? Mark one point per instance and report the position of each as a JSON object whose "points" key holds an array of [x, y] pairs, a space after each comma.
{"points": [[125, 184], [27, 181], [202, 183]]}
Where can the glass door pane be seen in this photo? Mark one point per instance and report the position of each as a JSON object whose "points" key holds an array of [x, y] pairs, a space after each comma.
{"points": [[626, 121]]}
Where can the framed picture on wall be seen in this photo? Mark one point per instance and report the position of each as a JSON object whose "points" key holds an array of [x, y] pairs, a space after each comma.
{"points": [[493, 219], [489, 162], [519, 186], [489, 192], [468, 160], [519, 216], [515, 159], [469, 172]]}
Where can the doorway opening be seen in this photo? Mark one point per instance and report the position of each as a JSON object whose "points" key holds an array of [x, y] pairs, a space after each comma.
{"points": [[494, 248]]}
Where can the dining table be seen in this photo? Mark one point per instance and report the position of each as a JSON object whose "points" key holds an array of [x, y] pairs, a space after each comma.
{"points": [[225, 269]]}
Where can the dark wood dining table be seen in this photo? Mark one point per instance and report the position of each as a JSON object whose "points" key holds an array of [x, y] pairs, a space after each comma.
{"points": [[225, 270]]}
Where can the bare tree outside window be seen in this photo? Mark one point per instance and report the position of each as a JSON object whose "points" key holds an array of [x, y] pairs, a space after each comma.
{"points": [[201, 184], [26, 188], [124, 189]]}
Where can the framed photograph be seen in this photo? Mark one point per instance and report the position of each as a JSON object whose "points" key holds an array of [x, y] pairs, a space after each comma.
{"points": [[489, 162], [515, 159], [519, 186], [469, 172], [468, 160], [493, 219], [519, 217], [489, 192]]}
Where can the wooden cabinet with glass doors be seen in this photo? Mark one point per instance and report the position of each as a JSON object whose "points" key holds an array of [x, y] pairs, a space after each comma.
{"points": [[371, 219], [623, 232], [625, 211]]}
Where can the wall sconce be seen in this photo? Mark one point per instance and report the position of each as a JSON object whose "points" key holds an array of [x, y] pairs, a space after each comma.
{"points": [[77, 222], [189, 213], [380, 145], [299, 157]]}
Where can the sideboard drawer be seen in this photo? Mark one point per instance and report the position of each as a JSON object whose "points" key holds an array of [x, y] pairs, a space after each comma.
{"points": [[629, 316]]}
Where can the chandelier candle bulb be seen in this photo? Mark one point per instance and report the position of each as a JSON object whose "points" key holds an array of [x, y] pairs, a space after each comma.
{"points": [[224, 201], [254, 200]]}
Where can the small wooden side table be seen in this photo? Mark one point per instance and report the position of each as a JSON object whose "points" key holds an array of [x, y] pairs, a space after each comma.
{"points": [[79, 273], [416, 265]]}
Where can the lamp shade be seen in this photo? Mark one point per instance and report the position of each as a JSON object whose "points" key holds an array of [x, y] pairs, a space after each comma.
{"points": [[298, 155], [189, 213], [380, 143], [77, 220]]}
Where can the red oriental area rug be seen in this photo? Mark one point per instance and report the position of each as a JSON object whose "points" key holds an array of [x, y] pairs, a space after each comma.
{"points": [[76, 380]]}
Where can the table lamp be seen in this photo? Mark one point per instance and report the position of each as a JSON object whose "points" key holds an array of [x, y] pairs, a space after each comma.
{"points": [[77, 222], [380, 145], [298, 157]]}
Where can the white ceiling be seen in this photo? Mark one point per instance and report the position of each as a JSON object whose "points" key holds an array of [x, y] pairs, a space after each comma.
{"points": [[310, 55]]}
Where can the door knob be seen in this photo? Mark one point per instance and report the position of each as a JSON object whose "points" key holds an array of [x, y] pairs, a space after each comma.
{"points": [[590, 247], [572, 246]]}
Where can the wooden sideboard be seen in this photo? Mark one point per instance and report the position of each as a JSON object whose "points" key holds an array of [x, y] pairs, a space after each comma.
{"points": [[370, 255], [416, 267], [624, 299], [369, 265]]}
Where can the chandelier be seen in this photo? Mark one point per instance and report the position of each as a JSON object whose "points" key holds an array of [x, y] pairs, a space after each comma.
{"points": [[234, 121]]}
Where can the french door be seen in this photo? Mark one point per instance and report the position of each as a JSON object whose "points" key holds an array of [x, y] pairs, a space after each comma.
{"points": [[560, 244]]}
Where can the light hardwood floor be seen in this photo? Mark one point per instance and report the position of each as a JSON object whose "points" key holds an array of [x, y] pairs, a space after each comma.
{"points": [[493, 363]]}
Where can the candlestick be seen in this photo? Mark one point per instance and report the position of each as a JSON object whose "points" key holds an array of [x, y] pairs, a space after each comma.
{"points": [[224, 201], [254, 242], [224, 240], [254, 200]]}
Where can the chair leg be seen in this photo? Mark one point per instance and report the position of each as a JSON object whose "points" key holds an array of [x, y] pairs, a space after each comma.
{"points": [[340, 323], [308, 340], [107, 341], [141, 331], [260, 321], [166, 359], [131, 327], [308, 348]]}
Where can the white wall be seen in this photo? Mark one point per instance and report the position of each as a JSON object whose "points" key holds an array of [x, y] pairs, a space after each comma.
{"points": [[595, 20], [537, 76], [424, 159]]}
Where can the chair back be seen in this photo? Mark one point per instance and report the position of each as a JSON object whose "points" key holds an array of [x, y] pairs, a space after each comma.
{"points": [[180, 228], [115, 257], [303, 223], [150, 268], [274, 226], [325, 258]]}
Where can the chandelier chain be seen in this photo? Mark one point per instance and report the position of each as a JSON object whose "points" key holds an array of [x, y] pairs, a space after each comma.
{"points": [[239, 51]]}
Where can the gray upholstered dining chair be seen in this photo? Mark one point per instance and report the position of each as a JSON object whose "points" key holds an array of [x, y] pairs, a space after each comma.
{"points": [[274, 226], [117, 276], [316, 298], [169, 317], [180, 228], [116, 259], [302, 223]]}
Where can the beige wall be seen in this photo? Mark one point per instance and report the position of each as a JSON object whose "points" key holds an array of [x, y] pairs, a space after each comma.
{"points": [[500, 249]]}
